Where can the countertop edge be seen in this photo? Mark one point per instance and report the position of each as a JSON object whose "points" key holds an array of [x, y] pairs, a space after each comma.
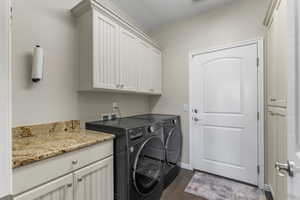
{"points": [[64, 151]]}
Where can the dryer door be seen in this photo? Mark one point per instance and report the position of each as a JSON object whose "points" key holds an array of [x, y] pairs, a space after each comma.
{"points": [[173, 143], [148, 165]]}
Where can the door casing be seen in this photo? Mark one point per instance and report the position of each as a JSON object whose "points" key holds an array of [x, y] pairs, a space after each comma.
{"points": [[261, 99], [5, 100], [293, 94]]}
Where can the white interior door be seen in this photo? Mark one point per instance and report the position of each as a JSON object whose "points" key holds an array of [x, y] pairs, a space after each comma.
{"points": [[224, 123], [293, 139]]}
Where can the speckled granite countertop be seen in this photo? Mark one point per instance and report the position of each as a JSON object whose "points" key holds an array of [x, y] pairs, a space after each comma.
{"points": [[39, 142]]}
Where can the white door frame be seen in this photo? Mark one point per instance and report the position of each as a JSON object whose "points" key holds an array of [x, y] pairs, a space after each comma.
{"points": [[293, 90], [5, 88], [261, 101]]}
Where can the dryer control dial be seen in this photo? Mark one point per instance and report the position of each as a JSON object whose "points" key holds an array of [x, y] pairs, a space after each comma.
{"points": [[151, 129]]}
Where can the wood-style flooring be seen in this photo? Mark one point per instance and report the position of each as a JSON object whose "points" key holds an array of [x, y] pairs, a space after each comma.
{"points": [[176, 190]]}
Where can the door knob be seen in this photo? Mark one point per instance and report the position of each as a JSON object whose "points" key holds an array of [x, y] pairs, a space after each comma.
{"points": [[196, 119], [195, 111], [289, 167]]}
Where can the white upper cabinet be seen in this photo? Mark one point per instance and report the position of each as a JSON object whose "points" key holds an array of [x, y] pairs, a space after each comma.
{"points": [[105, 52], [150, 68], [144, 66], [114, 55], [156, 71], [128, 61]]}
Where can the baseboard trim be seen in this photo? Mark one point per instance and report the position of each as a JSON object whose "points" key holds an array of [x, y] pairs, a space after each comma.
{"points": [[269, 191], [186, 166], [9, 197]]}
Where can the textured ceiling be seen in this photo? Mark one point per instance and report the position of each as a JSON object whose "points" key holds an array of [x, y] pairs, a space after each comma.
{"points": [[151, 14]]}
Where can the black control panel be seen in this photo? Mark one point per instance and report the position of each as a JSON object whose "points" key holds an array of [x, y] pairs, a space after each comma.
{"points": [[136, 133]]}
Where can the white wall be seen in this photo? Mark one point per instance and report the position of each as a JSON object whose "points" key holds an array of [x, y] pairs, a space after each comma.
{"points": [[50, 24], [5, 138], [237, 21]]}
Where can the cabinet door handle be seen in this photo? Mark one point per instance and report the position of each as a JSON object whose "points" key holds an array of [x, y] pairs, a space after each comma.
{"points": [[69, 185], [273, 100], [276, 114], [79, 179]]}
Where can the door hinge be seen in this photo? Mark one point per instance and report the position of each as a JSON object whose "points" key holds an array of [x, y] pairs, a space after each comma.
{"points": [[258, 116], [11, 12], [258, 169], [257, 62]]}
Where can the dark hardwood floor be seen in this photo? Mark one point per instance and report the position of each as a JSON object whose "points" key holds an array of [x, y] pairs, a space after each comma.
{"points": [[176, 190]]}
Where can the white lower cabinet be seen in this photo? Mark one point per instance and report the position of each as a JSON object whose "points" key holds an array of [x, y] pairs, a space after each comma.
{"points": [[95, 181], [60, 189]]}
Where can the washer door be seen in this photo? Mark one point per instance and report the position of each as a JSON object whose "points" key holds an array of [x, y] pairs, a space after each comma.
{"points": [[148, 165], [173, 146]]}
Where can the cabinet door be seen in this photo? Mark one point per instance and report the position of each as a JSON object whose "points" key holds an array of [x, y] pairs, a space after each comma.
{"points": [[144, 65], [105, 52], [271, 69], [95, 182], [277, 145], [282, 53], [128, 61], [60, 189], [278, 57], [156, 75]]}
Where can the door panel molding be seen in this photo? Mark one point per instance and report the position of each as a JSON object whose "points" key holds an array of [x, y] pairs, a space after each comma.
{"points": [[260, 129]]}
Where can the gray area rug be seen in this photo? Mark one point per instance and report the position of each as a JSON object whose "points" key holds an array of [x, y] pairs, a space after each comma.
{"points": [[213, 187]]}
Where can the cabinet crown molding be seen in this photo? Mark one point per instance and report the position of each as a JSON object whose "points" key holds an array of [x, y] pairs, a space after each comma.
{"points": [[87, 5], [268, 18]]}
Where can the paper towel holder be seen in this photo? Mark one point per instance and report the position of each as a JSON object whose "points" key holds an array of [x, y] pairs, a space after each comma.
{"points": [[37, 64]]}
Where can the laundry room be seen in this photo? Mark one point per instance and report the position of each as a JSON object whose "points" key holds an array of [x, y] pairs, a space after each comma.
{"points": [[149, 100]]}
